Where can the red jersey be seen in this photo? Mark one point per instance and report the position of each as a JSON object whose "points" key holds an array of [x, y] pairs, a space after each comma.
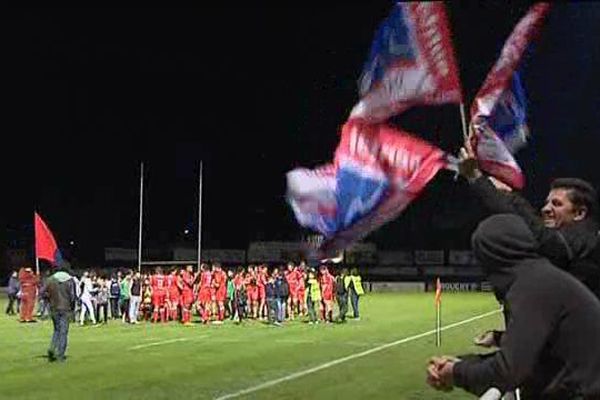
{"points": [[205, 280], [172, 284], [261, 280], [327, 281], [301, 280], [158, 283], [238, 281], [188, 281], [292, 279], [219, 280]]}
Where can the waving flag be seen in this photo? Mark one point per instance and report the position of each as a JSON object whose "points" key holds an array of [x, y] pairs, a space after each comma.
{"points": [[411, 62], [379, 171], [499, 110], [45, 245]]}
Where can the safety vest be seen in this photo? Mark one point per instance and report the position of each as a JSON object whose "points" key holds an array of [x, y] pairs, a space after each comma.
{"points": [[356, 281]]}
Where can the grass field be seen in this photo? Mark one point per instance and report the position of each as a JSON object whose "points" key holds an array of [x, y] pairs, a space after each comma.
{"points": [[149, 361]]}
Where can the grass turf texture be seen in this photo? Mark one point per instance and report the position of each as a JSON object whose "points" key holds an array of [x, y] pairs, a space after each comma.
{"points": [[150, 361]]}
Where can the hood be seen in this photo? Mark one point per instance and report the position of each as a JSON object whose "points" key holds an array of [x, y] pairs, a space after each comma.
{"points": [[501, 243], [61, 276]]}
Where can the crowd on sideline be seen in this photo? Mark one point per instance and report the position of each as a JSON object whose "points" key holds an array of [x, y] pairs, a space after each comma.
{"points": [[212, 293]]}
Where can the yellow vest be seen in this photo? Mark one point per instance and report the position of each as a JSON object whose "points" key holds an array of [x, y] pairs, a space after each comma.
{"points": [[356, 280]]}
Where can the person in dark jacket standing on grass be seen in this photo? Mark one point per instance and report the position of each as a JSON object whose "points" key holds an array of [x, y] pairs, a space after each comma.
{"points": [[551, 347], [341, 294], [13, 289], [61, 295]]}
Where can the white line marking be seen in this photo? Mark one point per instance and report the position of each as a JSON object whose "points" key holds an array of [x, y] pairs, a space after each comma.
{"points": [[329, 364], [141, 346]]}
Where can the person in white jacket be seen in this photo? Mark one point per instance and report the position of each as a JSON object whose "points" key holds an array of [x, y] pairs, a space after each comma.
{"points": [[87, 289]]}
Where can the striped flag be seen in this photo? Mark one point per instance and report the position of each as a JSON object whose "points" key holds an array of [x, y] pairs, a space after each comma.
{"points": [[499, 109], [411, 62]]}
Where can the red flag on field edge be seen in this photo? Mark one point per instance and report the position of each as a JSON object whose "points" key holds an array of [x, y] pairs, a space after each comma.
{"points": [[438, 313], [45, 245], [438, 293]]}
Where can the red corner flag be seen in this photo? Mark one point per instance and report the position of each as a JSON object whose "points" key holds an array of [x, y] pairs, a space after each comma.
{"points": [[45, 245], [438, 313], [438, 293]]}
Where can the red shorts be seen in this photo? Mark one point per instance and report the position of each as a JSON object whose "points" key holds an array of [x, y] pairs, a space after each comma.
{"points": [[328, 295], [174, 297], [252, 293], [204, 295], [221, 295], [187, 298], [262, 293], [301, 294], [158, 298]]}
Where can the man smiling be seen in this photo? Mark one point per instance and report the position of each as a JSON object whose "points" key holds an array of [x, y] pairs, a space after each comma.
{"points": [[567, 230]]}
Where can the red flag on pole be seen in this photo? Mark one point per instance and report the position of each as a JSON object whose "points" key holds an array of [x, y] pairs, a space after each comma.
{"points": [[45, 245], [438, 313], [438, 292]]}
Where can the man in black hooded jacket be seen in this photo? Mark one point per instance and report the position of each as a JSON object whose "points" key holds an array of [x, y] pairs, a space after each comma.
{"points": [[551, 347]]}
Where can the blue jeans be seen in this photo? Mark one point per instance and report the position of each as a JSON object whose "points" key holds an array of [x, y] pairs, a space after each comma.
{"points": [[58, 346], [281, 305], [354, 300]]}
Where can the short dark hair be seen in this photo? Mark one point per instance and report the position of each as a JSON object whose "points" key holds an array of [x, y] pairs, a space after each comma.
{"points": [[580, 192]]}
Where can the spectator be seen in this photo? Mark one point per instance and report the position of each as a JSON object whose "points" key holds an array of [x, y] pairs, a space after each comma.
{"points": [[230, 308], [28, 282], [102, 296], [42, 312], [551, 347], [13, 290], [61, 298], [115, 291], [271, 295], [135, 298], [355, 289], [124, 296], [341, 294], [313, 299], [282, 293], [567, 229], [86, 299]]}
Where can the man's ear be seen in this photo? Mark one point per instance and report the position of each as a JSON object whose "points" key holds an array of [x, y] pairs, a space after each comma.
{"points": [[580, 213]]}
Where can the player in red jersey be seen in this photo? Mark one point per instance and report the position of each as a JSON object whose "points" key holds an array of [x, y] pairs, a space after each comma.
{"points": [[187, 278], [205, 293], [219, 284], [261, 282], [173, 294], [301, 274], [292, 280], [159, 294], [327, 283], [252, 291]]}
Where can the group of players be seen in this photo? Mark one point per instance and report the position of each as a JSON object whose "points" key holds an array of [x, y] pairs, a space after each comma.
{"points": [[217, 294]]}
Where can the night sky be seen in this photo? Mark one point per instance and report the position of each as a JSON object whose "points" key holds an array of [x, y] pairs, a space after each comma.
{"points": [[87, 94]]}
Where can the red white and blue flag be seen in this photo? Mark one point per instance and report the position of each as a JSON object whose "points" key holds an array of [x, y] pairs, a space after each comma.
{"points": [[378, 171], [498, 113], [411, 62]]}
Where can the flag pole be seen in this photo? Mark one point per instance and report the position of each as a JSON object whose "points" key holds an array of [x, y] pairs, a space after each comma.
{"points": [[200, 217], [438, 325], [37, 260], [141, 207], [463, 119]]}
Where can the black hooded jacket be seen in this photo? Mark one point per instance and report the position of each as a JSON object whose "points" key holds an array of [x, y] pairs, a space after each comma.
{"points": [[574, 247], [551, 347]]}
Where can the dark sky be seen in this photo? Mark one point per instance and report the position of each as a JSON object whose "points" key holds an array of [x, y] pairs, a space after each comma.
{"points": [[253, 91]]}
